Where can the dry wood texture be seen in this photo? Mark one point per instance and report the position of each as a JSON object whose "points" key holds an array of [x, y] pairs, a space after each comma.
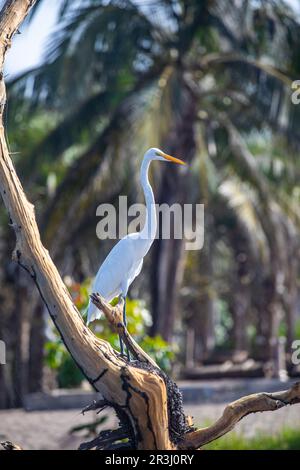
{"points": [[147, 402]]}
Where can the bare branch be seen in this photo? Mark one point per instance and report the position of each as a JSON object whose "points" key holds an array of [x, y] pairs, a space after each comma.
{"points": [[237, 410], [114, 316]]}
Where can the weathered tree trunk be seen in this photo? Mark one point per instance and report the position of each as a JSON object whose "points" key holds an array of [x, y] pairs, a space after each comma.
{"points": [[146, 401]]}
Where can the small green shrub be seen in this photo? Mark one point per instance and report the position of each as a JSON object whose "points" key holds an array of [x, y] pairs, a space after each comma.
{"points": [[58, 358]]}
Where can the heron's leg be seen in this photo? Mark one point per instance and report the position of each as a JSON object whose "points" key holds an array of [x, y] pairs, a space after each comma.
{"points": [[124, 312], [125, 323], [121, 346]]}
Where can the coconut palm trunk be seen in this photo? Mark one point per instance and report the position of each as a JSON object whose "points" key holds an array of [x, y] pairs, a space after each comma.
{"points": [[168, 255]]}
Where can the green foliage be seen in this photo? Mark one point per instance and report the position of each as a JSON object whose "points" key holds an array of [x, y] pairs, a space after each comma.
{"points": [[69, 376], [54, 353], [162, 352], [287, 439], [282, 330], [58, 358]]}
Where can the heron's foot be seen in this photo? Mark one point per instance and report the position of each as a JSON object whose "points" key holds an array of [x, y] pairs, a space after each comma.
{"points": [[122, 350], [128, 355], [125, 356]]}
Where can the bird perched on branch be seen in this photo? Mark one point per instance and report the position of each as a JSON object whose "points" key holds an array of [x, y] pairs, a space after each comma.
{"points": [[124, 262]]}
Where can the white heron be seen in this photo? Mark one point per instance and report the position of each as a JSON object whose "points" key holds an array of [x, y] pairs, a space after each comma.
{"points": [[124, 262]]}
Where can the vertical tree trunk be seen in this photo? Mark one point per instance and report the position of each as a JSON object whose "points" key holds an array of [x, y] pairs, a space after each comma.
{"points": [[168, 255], [290, 294], [36, 349], [204, 312], [241, 299], [273, 284], [19, 325], [272, 222], [3, 320], [4, 399], [13, 328], [262, 302]]}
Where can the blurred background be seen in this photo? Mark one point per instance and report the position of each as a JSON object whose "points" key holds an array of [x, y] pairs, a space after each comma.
{"points": [[91, 85]]}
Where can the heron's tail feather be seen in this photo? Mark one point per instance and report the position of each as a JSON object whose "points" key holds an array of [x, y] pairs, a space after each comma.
{"points": [[93, 313]]}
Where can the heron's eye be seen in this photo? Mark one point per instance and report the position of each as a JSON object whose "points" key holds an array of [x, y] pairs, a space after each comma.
{"points": [[158, 154]]}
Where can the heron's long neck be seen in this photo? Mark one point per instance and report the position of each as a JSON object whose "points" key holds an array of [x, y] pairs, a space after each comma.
{"points": [[149, 230]]}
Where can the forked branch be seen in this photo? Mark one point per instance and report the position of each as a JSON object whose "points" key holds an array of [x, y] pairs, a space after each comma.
{"points": [[114, 315]]}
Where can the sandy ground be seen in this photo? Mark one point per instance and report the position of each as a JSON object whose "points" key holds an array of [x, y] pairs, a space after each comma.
{"points": [[46, 429], [51, 429]]}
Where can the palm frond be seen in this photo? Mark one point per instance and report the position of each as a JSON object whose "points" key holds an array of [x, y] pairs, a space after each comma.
{"points": [[99, 45], [110, 144]]}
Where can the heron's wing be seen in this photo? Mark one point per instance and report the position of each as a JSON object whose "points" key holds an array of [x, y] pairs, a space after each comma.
{"points": [[116, 266], [138, 269], [93, 313], [122, 265]]}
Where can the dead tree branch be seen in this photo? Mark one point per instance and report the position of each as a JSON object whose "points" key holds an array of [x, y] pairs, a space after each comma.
{"points": [[237, 410]]}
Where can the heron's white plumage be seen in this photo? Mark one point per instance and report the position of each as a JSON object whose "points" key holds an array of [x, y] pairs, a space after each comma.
{"points": [[124, 262], [117, 272]]}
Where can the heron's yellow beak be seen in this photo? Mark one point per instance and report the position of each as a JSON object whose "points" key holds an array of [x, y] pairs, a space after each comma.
{"points": [[172, 159]]}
